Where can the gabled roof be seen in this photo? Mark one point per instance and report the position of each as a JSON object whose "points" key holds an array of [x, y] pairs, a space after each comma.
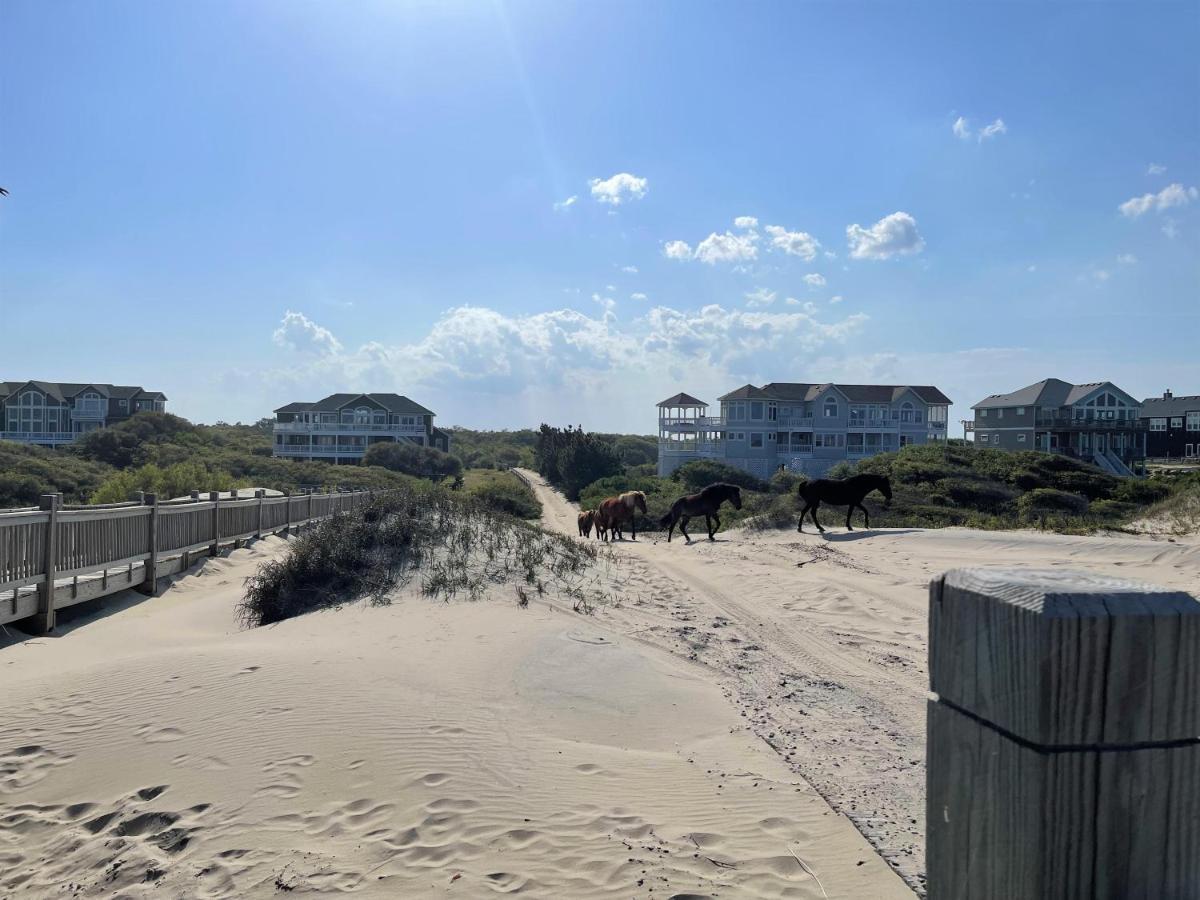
{"points": [[1169, 406], [1047, 392], [795, 392], [393, 403], [682, 399], [65, 390]]}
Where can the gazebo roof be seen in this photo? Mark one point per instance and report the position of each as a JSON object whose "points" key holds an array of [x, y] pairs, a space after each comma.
{"points": [[682, 399]]}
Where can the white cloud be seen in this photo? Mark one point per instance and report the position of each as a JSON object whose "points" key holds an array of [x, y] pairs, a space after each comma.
{"points": [[727, 247], [1127, 259], [1170, 196], [894, 235], [638, 296], [990, 131], [610, 288], [814, 280], [794, 243], [760, 297], [618, 189], [808, 306], [564, 205], [298, 332], [629, 270], [1155, 169], [1170, 229], [836, 298], [745, 222], [962, 130], [677, 250]]}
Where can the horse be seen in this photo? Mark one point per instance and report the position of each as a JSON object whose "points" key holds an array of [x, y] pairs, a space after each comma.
{"points": [[706, 503], [613, 513], [848, 492], [586, 520]]}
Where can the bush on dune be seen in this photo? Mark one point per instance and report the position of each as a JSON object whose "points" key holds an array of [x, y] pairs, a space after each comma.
{"points": [[413, 459], [506, 493]]}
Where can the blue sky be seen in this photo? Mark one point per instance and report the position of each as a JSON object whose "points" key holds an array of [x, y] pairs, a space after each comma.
{"points": [[245, 204]]}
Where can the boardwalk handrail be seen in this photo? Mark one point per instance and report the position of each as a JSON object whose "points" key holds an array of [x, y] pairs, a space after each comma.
{"points": [[53, 556]]}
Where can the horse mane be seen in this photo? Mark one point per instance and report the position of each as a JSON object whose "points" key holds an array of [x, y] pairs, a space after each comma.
{"points": [[629, 498], [724, 488]]}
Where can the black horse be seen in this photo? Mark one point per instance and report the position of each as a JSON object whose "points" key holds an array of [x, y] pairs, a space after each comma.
{"points": [[847, 492], [706, 503]]}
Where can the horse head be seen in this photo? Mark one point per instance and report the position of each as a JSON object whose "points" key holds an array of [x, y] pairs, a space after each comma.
{"points": [[735, 496], [885, 488], [639, 500]]}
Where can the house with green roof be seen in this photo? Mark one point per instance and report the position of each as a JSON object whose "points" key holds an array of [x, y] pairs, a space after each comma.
{"points": [[53, 413], [798, 426], [339, 428]]}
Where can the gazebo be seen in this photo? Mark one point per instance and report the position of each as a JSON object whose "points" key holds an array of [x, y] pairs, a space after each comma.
{"points": [[684, 427]]}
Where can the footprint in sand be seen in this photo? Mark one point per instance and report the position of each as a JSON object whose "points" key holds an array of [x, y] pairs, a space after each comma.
{"points": [[23, 766], [152, 734]]}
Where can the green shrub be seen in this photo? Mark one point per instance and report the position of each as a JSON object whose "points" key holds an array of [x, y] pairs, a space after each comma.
{"points": [[507, 494], [413, 459], [987, 496], [1048, 501], [700, 473], [841, 469]]}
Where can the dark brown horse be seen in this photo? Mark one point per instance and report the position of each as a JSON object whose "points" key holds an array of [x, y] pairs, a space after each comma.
{"points": [[706, 503], [586, 520], [613, 513], [848, 492]]}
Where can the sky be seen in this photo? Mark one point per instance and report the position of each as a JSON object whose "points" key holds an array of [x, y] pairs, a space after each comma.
{"points": [[565, 212]]}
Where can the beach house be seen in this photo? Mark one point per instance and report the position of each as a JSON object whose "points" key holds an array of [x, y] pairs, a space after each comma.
{"points": [[340, 428], [798, 426], [51, 413], [1172, 426]]}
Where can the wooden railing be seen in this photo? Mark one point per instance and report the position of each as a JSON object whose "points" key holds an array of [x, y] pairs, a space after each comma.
{"points": [[52, 557]]}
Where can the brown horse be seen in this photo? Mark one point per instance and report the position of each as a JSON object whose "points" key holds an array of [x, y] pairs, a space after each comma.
{"points": [[586, 520], [707, 503], [613, 513]]}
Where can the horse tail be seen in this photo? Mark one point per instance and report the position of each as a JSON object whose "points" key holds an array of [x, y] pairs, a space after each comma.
{"points": [[673, 515]]}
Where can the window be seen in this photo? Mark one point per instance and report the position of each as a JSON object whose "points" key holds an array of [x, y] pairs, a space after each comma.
{"points": [[756, 439], [1158, 424], [983, 414], [772, 412], [830, 409], [736, 411], [1176, 421], [1189, 450], [756, 409], [983, 438], [770, 435], [906, 411], [858, 415], [1193, 421], [1020, 410], [999, 414], [1021, 438], [830, 440]]}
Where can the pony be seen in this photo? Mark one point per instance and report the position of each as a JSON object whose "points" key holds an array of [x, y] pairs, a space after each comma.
{"points": [[586, 520], [706, 503], [848, 492], [613, 513]]}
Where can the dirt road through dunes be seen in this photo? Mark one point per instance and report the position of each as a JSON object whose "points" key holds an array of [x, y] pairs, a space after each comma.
{"points": [[820, 641]]}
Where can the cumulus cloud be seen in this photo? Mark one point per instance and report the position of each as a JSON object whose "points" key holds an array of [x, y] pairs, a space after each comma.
{"points": [[962, 130], [1155, 169], [638, 296], [1127, 259], [677, 250], [894, 235], [629, 270], [727, 247], [760, 297], [298, 332], [564, 205], [745, 222], [814, 280], [1170, 196], [836, 298], [620, 188], [794, 243]]}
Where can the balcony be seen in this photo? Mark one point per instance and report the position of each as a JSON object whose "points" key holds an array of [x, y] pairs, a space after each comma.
{"points": [[38, 437], [694, 448], [876, 424], [89, 409], [1090, 423], [347, 428], [320, 450]]}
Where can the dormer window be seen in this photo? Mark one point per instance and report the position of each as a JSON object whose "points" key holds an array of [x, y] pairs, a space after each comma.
{"points": [[830, 409]]}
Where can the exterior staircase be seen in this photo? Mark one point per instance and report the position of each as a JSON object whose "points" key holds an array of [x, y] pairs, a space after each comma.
{"points": [[1119, 466]]}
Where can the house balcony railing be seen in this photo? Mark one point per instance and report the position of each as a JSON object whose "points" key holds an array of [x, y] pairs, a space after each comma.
{"points": [[694, 447], [1089, 424], [38, 437], [347, 428], [89, 410], [320, 449], [794, 450], [684, 422]]}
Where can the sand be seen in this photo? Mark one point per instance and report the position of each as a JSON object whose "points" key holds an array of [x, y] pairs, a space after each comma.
{"points": [[738, 716]]}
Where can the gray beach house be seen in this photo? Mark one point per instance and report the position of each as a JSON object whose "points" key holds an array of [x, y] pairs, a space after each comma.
{"points": [[51, 413], [340, 428]]}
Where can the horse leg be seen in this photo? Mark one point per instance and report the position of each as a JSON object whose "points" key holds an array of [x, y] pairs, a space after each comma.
{"points": [[670, 531], [715, 528], [803, 513], [683, 520], [813, 513], [866, 516], [708, 525]]}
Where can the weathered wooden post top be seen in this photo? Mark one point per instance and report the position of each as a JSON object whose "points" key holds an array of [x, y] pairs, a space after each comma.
{"points": [[1064, 741]]}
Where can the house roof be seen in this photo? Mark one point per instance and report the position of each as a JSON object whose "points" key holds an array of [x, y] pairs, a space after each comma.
{"points": [[682, 399], [64, 390], [1169, 406], [794, 392], [1047, 392], [393, 403]]}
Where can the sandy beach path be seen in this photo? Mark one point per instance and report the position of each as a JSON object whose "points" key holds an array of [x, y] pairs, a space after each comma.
{"points": [[820, 640]]}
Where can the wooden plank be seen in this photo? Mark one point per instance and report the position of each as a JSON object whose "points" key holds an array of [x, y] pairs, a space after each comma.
{"points": [[43, 622]]}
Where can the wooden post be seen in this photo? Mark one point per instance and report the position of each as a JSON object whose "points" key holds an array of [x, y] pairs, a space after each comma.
{"points": [[43, 622], [1063, 753], [149, 585], [215, 498], [258, 495], [287, 513]]}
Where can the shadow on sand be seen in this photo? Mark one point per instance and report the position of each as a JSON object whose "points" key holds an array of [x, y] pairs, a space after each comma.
{"points": [[860, 534]]}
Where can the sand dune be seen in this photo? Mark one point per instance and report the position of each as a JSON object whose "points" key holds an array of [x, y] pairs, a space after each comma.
{"points": [[421, 749], [821, 640]]}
